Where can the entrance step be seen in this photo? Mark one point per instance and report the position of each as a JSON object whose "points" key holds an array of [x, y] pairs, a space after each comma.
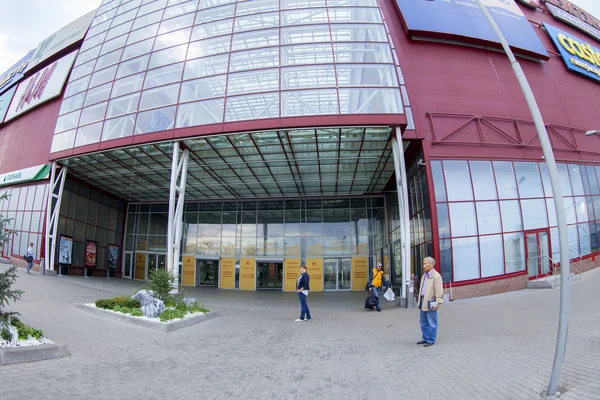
{"points": [[550, 282]]}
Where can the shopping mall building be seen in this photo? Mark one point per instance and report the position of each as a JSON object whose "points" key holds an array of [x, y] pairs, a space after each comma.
{"points": [[232, 141]]}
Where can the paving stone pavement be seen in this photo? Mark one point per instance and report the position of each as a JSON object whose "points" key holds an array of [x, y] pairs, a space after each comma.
{"points": [[498, 347]]}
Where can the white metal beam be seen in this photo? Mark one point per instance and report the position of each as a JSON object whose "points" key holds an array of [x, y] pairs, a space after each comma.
{"points": [[179, 167], [52, 213]]}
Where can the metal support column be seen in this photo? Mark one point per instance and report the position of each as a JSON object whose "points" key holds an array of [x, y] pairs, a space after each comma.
{"points": [[57, 184], [402, 188], [176, 199]]}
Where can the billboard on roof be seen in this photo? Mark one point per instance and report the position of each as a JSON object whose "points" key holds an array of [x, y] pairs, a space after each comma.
{"points": [[15, 73], [462, 20]]}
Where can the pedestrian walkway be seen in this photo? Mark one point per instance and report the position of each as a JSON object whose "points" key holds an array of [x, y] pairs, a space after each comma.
{"points": [[498, 347]]}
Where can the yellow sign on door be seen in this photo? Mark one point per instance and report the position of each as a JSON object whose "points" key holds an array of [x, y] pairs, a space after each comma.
{"points": [[247, 274], [291, 273], [360, 272], [188, 269], [314, 267], [140, 266], [227, 271]]}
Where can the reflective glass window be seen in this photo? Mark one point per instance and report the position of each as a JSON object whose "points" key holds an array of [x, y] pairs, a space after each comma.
{"points": [[214, 14], [484, 184], [132, 66], [91, 54], [465, 255], [443, 220], [488, 217], [576, 181], [362, 53], [206, 67], [251, 82], [492, 254], [458, 180], [584, 177], [514, 252], [118, 127], [212, 29], [256, 21], [309, 102], [82, 70], [358, 33], [370, 101], [123, 105], [152, 6], [128, 85], [172, 39], [438, 181], [137, 49], [348, 14], [175, 9], [200, 113], [124, 17], [108, 59], [157, 120], [308, 77], [147, 19], [546, 180], [92, 114], [163, 76], [72, 103], [167, 56], [462, 219], [162, 96], [585, 244], [119, 30], [304, 16], [293, 4], [106, 75], [306, 54], [581, 209], [128, 6], [174, 24], [144, 33], [253, 7], [98, 94], [209, 47], [593, 181], [264, 105], [511, 216], [505, 180], [201, 89], [88, 134], [254, 59], [67, 121], [91, 42], [366, 75], [305, 34], [113, 45], [63, 141], [570, 212], [102, 27], [534, 214], [528, 180], [348, 3], [256, 39]]}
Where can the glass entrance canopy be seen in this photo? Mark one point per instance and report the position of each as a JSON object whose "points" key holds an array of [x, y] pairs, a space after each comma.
{"points": [[285, 163]]}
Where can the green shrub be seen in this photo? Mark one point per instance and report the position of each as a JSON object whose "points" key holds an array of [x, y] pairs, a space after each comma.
{"points": [[136, 312], [171, 314], [181, 306], [160, 282], [197, 307], [5, 334], [121, 301], [7, 279], [25, 331]]}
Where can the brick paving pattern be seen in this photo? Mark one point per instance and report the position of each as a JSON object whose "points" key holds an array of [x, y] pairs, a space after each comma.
{"points": [[498, 347]]}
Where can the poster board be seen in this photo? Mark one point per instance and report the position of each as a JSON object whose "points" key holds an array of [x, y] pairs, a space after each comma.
{"points": [[291, 271], [91, 254], [140, 266], [227, 273], [112, 256], [65, 250], [314, 267], [360, 272], [247, 274], [188, 271]]}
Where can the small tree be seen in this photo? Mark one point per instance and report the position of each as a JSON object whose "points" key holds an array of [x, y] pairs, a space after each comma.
{"points": [[9, 277], [160, 282], [4, 222]]}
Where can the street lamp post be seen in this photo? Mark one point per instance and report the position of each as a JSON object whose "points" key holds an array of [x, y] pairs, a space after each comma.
{"points": [[565, 267]]}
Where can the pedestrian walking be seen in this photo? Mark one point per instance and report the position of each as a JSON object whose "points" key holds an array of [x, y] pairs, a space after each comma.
{"points": [[431, 297], [376, 282], [302, 287], [29, 257]]}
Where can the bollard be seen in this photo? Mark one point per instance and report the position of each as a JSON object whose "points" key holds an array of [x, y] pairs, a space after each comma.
{"points": [[42, 267]]}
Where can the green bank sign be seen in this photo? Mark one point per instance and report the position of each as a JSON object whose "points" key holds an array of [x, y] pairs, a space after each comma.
{"points": [[38, 173]]}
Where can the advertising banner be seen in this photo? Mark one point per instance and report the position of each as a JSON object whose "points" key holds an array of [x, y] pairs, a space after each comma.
{"points": [[530, 3], [41, 87], [91, 254], [579, 56], [291, 273], [227, 271], [314, 267], [462, 20], [30, 174], [188, 270], [60, 40], [360, 272], [574, 21], [15, 73], [247, 274], [112, 258], [65, 250], [140, 266], [5, 99]]}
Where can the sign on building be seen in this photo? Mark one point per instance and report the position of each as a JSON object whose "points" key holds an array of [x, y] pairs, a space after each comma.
{"points": [[579, 56]]}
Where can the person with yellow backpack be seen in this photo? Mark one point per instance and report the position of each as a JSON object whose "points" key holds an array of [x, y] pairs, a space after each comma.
{"points": [[376, 282]]}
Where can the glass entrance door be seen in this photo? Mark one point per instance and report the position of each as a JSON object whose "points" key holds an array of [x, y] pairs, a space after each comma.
{"points": [[156, 261], [538, 253], [269, 275], [207, 272], [128, 265], [337, 273]]}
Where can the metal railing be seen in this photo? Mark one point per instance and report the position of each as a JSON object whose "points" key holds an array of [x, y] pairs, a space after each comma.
{"points": [[553, 272], [575, 266]]}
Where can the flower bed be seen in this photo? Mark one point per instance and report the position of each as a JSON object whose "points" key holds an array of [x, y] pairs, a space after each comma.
{"points": [[14, 333], [173, 309]]}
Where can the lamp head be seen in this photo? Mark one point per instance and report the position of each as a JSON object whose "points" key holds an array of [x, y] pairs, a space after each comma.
{"points": [[592, 132]]}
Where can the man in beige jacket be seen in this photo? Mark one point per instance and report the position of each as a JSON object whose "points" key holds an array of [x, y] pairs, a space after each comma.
{"points": [[431, 297]]}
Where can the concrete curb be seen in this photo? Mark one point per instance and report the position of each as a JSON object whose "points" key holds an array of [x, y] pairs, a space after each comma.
{"points": [[15, 355], [159, 326]]}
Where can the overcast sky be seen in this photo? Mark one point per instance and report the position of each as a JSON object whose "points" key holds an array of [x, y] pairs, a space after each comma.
{"points": [[25, 23]]}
